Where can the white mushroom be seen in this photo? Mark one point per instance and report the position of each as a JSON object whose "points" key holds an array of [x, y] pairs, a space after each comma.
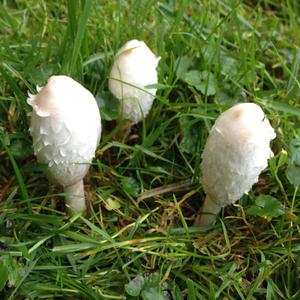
{"points": [[65, 128], [134, 68], [236, 152]]}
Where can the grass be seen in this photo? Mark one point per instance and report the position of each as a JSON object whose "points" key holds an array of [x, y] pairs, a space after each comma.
{"points": [[137, 242]]}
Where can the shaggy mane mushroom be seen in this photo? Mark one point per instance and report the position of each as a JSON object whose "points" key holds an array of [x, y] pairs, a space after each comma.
{"points": [[65, 127], [236, 152]]}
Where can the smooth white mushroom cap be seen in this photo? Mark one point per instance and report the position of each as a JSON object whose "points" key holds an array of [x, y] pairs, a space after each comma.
{"points": [[133, 69], [65, 127], [237, 150]]}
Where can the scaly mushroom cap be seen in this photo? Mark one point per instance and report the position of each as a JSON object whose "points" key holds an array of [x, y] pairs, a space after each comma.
{"points": [[65, 127], [133, 69], [236, 152]]}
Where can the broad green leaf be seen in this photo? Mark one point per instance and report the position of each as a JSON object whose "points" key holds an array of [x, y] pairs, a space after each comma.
{"points": [[229, 66], [20, 149], [266, 206], [131, 186], [193, 77], [4, 137], [135, 286], [191, 134], [147, 287], [183, 64], [293, 174], [293, 169], [204, 81], [295, 154], [228, 94], [153, 288], [108, 106], [154, 293], [254, 210]]}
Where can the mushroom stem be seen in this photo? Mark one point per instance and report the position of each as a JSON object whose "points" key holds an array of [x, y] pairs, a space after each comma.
{"points": [[75, 197], [208, 213]]}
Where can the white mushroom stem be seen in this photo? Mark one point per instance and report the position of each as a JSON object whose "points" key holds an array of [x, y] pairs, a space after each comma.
{"points": [[74, 195], [208, 213]]}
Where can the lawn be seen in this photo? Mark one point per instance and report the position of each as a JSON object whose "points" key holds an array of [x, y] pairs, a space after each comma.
{"points": [[143, 190]]}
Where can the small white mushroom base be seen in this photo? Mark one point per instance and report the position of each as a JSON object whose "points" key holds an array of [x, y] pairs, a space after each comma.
{"points": [[208, 213], [74, 195]]}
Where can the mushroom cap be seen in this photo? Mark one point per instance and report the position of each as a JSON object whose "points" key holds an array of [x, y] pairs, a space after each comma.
{"points": [[65, 128], [134, 68], [236, 152]]}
